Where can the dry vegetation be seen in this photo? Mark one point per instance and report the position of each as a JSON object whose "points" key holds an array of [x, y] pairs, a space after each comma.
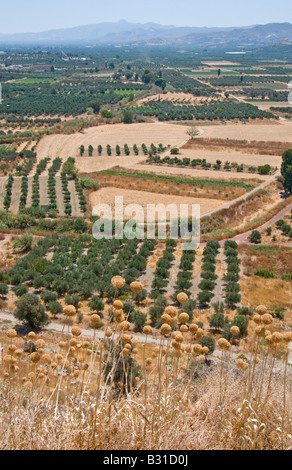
{"points": [[75, 392], [273, 261], [242, 146], [107, 195]]}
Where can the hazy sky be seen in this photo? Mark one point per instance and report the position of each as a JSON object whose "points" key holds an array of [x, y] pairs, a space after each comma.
{"points": [[35, 15]]}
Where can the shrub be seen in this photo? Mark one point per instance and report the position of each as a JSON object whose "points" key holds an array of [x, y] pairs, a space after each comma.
{"points": [[20, 290], [255, 237], [30, 311]]}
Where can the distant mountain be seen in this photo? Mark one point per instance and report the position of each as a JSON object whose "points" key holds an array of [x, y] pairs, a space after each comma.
{"points": [[260, 35], [124, 33]]}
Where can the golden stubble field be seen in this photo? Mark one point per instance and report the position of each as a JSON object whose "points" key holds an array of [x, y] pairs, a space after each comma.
{"points": [[107, 196], [65, 146], [174, 135]]}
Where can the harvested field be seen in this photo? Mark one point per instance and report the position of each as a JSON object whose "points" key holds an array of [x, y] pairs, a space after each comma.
{"points": [[107, 196], [241, 146], [90, 164], [65, 146], [208, 189], [274, 131]]}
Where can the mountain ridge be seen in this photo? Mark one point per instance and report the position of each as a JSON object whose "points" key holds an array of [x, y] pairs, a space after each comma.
{"points": [[125, 33]]}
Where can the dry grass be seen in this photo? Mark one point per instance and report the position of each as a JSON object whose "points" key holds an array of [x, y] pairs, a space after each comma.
{"points": [[273, 131], [274, 292], [143, 198], [82, 393], [242, 146]]}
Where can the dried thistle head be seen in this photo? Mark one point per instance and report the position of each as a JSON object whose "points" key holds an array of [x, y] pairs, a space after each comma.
{"points": [[184, 328], [260, 331], [136, 286], [184, 317], [95, 319], [242, 364], [31, 335], [134, 341], [147, 330], [224, 344], [18, 353], [40, 343], [125, 352], [287, 336], [165, 318], [234, 330], [171, 311], [175, 344], [120, 318], [173, 320], [178, 337], [35, 357], [76, 331], [267, 319], [182, 298], [11, 348], [125, 326], [199, 334], [11, 334], [194, 328], [197, 349], [8, 359], [277, 337], [126, 338], [70, 311], [118, 282], [257, 319], [261, 310], [165, 329], [118, 305], [188, 348], [46, 358]]}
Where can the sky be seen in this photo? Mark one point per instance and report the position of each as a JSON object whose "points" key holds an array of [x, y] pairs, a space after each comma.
{"points": [[35, 15]]}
